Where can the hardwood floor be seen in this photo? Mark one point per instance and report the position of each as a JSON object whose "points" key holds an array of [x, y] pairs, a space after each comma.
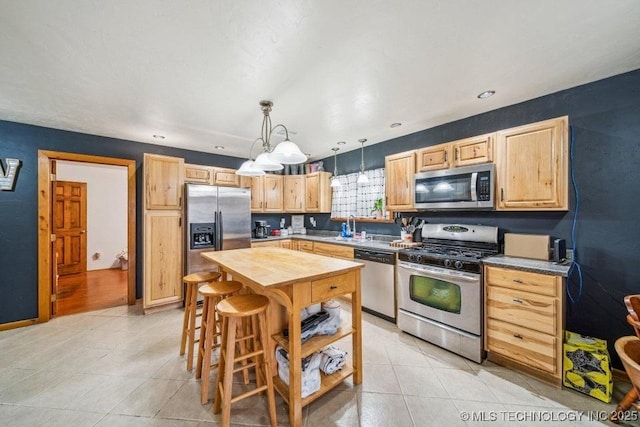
{"points": [[93, 290]]}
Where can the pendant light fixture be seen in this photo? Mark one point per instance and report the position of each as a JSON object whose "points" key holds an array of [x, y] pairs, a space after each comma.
{"points": [[334, 180], [271, 159], [362, 178]]}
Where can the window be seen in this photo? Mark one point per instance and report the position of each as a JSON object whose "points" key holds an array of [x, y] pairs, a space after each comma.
{"points": [[356, 199]]}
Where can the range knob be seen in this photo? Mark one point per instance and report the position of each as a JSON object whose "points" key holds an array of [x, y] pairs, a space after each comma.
{"points": [[412, 258], [447, 263], [419, 258], [458, 265]]}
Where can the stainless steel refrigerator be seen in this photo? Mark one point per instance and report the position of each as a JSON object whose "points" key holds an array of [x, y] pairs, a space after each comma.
{"points": [[217, 218]]}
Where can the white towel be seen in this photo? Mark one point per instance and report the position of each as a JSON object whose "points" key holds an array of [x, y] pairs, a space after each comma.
{"points": [[333, 359], [310, 374]]}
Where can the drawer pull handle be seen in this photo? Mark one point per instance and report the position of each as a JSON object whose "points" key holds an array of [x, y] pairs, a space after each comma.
{"points": [[333, 287], [518, 300], [517, 280], [518, 336]]}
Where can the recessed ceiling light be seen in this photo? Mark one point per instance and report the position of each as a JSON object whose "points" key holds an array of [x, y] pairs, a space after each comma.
{"points": [[158, 136], [395, 125], [486, 94], [219, 147], [342, 142]]}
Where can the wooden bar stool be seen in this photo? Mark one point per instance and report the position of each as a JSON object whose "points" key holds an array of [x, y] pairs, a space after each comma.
{"points": [[192, 281], [210, 329], [234, 310]]}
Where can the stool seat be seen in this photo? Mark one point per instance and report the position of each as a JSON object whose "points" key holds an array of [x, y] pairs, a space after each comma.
{"points": [[189, 326], [242, 305], [200, 277], [217, 289]]}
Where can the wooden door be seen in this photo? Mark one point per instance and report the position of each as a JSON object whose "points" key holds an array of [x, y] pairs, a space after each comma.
{"points": [[434, 157], [312, 184], [257, 194], [474, 150], [163, 179], [399, 184], [70, 226]]}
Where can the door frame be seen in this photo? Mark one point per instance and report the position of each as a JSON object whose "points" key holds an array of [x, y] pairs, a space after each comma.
{"points": [[45, 262]]}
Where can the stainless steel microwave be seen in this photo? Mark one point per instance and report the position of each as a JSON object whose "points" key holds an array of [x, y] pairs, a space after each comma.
{"points": [[469, 187]]}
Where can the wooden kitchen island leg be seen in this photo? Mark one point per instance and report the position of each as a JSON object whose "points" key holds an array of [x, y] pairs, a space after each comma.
{"points": [[356, 321], [295, 362]]}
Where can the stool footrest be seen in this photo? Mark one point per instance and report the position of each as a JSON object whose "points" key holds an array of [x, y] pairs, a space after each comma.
{"points": [[243, 367], [248, 393], [247, 356]]}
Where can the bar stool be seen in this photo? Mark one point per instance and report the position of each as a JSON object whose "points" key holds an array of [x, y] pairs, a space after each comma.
{"points": [[192, 281], [210, 329], [250, 308]]}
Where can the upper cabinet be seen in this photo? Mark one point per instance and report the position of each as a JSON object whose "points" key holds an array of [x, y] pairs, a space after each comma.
{"points": [[399, 171], [226, 177], [532, 166], [211, 175], [319, 192], [294, 193], [464, 152], [474, 150], [163, 178], [267, 193]]}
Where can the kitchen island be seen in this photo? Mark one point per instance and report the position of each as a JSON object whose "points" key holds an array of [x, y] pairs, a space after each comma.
{"points": [[294, 280]]}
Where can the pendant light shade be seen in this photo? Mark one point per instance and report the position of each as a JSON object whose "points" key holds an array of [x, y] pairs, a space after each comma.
{"points": [[248, 168], [335, 182], [266, 163], [271, 159], [362, 178], [288, 153]]}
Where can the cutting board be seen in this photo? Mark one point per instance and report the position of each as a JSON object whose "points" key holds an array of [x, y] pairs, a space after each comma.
{"points": [[534, 246]]}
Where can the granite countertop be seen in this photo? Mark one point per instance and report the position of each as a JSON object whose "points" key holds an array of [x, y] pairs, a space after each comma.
{"points": [[533, 265], [378, 241]]}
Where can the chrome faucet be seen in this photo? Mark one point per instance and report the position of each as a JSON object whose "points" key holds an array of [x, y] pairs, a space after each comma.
{"points": [[353, 230]]}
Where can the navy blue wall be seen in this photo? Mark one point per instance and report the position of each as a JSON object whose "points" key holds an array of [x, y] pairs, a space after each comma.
{"points": [[604, 116], [19, 209]]}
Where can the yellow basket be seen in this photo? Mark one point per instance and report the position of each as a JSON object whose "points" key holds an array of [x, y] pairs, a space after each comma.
{"points": [[586, 366]]}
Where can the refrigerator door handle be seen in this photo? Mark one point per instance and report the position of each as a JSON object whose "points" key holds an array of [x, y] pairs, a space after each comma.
{"points": [[219, 234]]}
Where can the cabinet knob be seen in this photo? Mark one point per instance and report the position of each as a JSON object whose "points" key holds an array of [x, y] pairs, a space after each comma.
{"points": [[333, 287], [518, 300], [517, 336], [518, 281]]}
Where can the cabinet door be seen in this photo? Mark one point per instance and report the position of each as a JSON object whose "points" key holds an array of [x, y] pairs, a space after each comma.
{"points": [[474, 150], [226, 177], [435, 157], [273, 193], [197, 174], [399, 171], [163, 182], [312, 184], [294, 193], [257, 194], [162, 258], [532, 166]]}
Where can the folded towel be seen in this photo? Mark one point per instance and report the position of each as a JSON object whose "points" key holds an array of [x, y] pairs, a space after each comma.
{"points": [[310, 373], [333, 359]]}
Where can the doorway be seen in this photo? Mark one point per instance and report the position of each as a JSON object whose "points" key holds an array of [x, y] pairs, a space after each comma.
{"points": [[47, 263]]}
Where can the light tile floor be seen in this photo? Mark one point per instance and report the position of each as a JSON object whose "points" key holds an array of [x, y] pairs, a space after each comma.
{"points": [[117, 367]]}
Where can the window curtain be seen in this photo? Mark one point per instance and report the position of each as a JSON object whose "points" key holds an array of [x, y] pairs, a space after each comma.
{"points": [[356, 199]]}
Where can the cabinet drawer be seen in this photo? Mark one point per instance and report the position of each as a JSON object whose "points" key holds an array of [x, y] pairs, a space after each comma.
{"points": [[523, 345], [333, 250], [305, 246], [532, 311], [324, 289], [523, 281]]}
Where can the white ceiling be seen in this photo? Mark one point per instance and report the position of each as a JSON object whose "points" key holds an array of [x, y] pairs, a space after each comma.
{"points": [[195, 70]]}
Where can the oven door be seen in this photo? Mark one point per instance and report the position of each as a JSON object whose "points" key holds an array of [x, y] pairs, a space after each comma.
{"points": [[453, 298]]}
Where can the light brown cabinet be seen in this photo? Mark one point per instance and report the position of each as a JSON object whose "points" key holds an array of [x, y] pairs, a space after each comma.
{"points": [[280, 243], [318, 191], [163, 182], [532, 166], [225, 177], [335, 251], [294, 193], [524, 321], [399, 184], [163, 239], [464, 152], [267, 193], [198, 174]]}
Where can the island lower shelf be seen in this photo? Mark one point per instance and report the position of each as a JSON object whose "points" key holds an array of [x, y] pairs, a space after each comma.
{"points": [[327, 382], [316, 342]]}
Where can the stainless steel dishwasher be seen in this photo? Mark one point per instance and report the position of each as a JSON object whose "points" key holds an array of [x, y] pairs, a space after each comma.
{"points": [[378, 282]]}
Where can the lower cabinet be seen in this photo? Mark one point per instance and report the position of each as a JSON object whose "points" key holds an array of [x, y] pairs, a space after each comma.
{"points": [[162, 259], [524, 321], [280, 243]]}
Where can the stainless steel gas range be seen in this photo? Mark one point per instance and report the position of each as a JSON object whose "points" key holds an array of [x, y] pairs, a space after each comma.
{"points": [[440, 287]]}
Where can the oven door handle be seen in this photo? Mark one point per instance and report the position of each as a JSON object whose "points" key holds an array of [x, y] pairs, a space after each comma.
{"points": [[437, 274]]}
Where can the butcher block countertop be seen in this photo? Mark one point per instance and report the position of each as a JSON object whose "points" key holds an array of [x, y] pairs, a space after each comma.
{"points": [[277, 266]]}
